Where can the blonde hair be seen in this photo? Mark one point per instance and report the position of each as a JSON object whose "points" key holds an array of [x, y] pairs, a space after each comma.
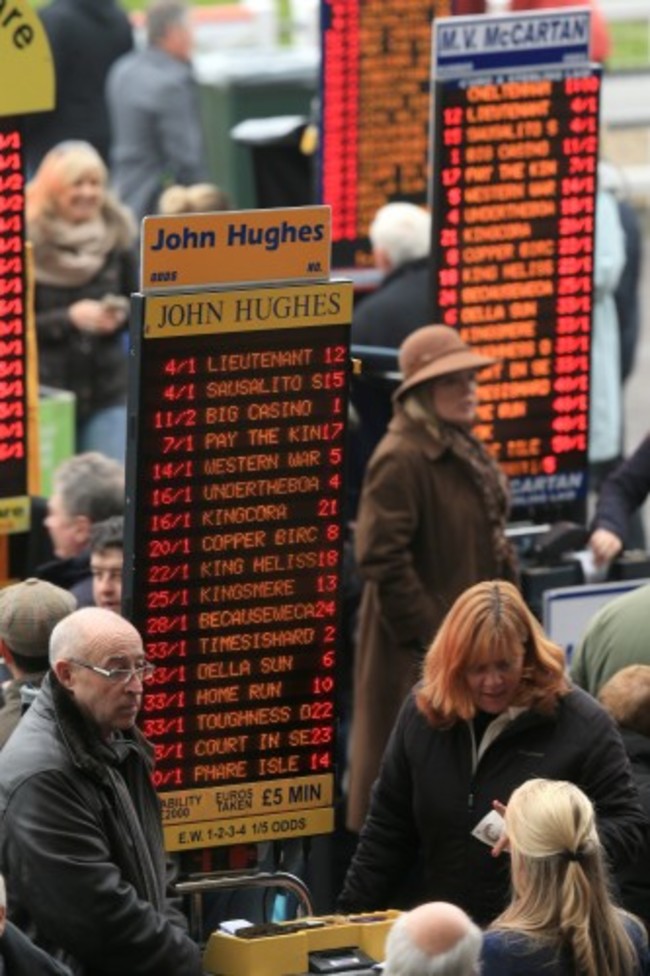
{"points": [[626, 696], [197, 198], [560, 883], [60, 168], [488, 619]]}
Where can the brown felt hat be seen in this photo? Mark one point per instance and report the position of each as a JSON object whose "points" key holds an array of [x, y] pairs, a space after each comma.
{"points": [[435, 350], [29, 612]]}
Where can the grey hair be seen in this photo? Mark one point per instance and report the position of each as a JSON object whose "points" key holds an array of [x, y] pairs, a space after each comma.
{"points": [[161, 15], [405, 958], [90, 484], [403, 231], [3, 892]]}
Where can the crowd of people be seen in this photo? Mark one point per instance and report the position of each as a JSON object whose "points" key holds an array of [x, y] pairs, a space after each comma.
{"points": [[496, 795], [125, 140]]}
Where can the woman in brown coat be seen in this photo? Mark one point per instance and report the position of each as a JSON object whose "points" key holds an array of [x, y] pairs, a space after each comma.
{"points": [[431, 523]]}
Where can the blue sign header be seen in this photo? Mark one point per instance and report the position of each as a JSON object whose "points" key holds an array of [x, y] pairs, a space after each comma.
{"points": [[471, 45]]}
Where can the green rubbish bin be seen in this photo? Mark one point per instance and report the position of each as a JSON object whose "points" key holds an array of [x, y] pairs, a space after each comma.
{"points": [[56, 432], [245, 84]]}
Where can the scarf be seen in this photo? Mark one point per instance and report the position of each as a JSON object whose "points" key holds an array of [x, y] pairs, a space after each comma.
{"points": [[488, 478], [121, 766], [70, 255], [484, 471]]}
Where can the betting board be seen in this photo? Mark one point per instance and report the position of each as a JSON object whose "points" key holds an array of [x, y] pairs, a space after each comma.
{"points": [[26, 85], [235, 474], [14, 508], [376, 70], [513, 258]]}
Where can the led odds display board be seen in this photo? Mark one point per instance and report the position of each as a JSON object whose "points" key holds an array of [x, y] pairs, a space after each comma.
{"points": [[26, 85], [376, 70], [13, 385], [235, 475], [515, 149]]}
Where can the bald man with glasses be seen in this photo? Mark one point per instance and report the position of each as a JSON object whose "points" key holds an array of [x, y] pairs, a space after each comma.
{"points": [[80, 830]]}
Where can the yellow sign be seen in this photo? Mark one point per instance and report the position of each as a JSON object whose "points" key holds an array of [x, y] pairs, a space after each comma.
{"points": [[26, 66], [14, 514], [248, 812], [246, 830], [248, 310], [235, 247], [190, 806]]}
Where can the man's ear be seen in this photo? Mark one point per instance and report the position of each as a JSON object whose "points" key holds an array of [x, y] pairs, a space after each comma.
{"points": [[63, 672], [82, 527], [3, 918]]}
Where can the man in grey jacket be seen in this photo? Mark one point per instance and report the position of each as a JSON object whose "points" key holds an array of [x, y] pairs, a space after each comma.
{"points": [[154, 111]]}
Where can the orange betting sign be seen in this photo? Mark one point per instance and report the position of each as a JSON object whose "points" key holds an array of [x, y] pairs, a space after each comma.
{"points": [[235, 247]]}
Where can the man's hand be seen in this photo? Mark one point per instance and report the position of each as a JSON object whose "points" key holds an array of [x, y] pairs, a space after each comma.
{"points": [[503, 843], [605, 546]]}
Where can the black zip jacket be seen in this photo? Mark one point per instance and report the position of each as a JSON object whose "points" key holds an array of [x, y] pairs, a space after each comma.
{"points": [[431, 792]]}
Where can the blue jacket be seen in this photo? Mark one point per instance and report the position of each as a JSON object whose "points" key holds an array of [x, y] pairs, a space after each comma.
{"points": [[509, 953], [606, 387]]}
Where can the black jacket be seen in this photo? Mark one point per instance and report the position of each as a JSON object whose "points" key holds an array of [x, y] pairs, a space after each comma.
{"points": [[624, 491], [85, 37], [20, 957], [73, 574], [635, 879], [94, 367], [81, 846], [401, 304], [428, 799], [627, 292]]}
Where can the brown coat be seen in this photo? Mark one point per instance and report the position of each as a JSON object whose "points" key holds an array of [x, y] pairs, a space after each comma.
{"points": [[422, 537]]}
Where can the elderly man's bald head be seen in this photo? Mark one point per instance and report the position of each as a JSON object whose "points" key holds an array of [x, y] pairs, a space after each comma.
{"points": [[85, 630], [435, 939], [98, 657]]}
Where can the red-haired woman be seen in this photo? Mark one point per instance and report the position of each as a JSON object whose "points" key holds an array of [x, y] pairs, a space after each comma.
{"points": [[493, 710]]}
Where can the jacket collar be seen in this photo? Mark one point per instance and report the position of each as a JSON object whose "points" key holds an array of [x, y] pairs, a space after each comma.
{"points": [[404, 269], [417, 430], [498, 725], [82, 739]]}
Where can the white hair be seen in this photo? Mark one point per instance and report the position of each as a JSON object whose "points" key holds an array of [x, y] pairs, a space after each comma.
{"points": [[405, 958], [402, 231], [3, 893]]}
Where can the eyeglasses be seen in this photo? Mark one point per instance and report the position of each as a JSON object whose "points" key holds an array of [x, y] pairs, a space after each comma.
{"points": [[119, 675]]}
